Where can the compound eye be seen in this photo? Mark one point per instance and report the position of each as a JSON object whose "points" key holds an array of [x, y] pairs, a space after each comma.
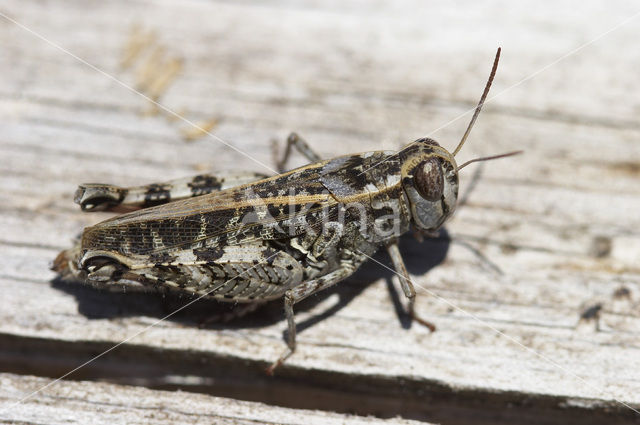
{"points": [[429, 180]]}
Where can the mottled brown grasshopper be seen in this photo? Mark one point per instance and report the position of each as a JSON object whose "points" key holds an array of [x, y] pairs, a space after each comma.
{"points": [[248, 238]]}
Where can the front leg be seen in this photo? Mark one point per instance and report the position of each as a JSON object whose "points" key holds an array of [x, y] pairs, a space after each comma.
{"points": [[106, 197], [299, 293], [407, 285], [301, 145]]}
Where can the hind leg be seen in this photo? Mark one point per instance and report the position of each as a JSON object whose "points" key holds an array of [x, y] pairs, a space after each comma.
{"points": [[105, 197]]}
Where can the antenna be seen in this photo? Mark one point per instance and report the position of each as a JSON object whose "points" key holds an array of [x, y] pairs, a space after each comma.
{"points": [[487, 158], [479, 107]]}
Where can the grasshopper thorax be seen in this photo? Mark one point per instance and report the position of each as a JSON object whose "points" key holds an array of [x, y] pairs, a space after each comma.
{"points": [[430, 182]]}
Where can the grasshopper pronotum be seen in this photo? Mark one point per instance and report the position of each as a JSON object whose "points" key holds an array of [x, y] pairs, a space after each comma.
{"points": [[249, 238]]}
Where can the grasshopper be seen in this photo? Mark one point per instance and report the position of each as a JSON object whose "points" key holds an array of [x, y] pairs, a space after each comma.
{"points": [[250, 238]]}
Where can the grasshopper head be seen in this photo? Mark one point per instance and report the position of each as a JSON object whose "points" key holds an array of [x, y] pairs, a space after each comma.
{"points": [[430, 173], [430, 181]]}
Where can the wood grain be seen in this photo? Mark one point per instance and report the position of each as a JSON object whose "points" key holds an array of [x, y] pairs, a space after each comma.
{"points": [[101, 403], [539, 238]]}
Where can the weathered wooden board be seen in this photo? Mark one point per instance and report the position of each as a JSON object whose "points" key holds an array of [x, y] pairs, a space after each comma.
{"points": [[101, 403], [540, 238]]}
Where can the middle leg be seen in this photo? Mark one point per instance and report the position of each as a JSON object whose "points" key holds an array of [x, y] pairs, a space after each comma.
{"points": [[299, 293]]}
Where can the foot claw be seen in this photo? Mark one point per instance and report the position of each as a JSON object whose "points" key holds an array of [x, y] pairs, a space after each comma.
{"points": [[278, 362]]}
